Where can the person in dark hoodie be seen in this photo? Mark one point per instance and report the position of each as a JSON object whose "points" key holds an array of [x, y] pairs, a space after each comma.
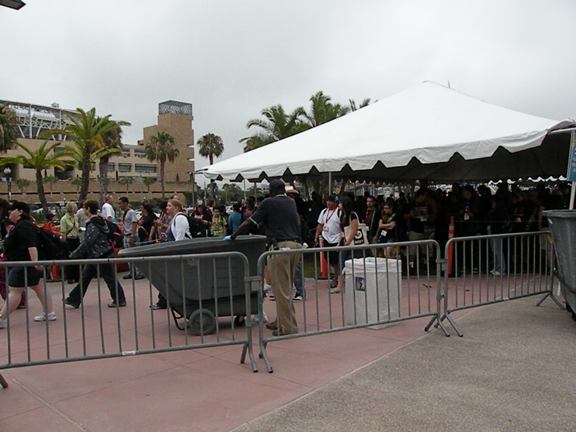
{"points": [[95, 245]]}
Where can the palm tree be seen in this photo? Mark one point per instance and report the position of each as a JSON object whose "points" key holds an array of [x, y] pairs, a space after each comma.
{"points": [[354, 107], [148, 181], [127, 181], [7, 131], [322, 110], [211, 146], [112, 141], [50, 180], [39, 160], [161, 148], [22, 183], [87, 131], [275, 126], [77, 182]]}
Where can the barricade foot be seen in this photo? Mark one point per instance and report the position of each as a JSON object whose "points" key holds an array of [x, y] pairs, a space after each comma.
{"points": [[554, 299], [3, 382], [246, 348], [264, 356], [437, 324], [452, 323]]}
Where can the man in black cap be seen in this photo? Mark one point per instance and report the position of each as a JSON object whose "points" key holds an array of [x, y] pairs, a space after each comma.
{"points": [[280, 218]]}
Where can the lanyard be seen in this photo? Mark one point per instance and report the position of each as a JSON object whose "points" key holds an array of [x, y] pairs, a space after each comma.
{"points": [[331, 214]]}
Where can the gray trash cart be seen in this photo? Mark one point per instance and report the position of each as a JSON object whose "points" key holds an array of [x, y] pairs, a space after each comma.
{"points": [[563, 227], [202, 288]]}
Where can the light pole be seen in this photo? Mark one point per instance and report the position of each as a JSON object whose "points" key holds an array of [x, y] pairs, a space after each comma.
{"points": [[8, 175]]}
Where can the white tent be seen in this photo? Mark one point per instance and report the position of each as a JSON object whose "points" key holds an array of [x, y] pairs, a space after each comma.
{"points": [[428, 131]]}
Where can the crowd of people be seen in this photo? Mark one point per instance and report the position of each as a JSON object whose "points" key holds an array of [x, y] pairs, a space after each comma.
{"points": [[430, 213]]}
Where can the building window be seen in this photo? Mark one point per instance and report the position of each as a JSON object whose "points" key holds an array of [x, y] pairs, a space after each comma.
{"points": [[124, 167], [145, 168], [139, 153], [125, 153], [111, 166]]}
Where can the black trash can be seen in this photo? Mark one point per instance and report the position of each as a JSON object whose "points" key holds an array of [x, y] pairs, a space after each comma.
{"points": [[203, 288]]}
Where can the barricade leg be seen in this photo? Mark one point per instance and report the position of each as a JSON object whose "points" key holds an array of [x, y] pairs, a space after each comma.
{"points": [[3, 382], [554, 299]]}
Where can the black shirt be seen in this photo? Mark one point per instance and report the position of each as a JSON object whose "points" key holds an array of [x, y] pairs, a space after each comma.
{"points": [[17, 242], [280, 218]]}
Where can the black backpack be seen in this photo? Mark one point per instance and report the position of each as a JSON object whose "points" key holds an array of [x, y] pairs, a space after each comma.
{"points": [[50, 245]]}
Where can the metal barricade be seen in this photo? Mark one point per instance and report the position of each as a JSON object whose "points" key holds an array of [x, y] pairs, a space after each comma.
{"points": [[489, 269], [383, 284], [210, 300]]}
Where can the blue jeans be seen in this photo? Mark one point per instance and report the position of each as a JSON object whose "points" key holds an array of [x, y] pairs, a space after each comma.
{"points": [[133, 269], [299, 279], [498, 254]]}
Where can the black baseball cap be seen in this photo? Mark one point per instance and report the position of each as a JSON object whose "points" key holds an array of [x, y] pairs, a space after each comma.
{"points": [[22, 206]]}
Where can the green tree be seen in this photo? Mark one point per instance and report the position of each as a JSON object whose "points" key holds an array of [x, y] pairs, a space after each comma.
{"points": [[77, 182], [22, 183], [148, 181], [87, 131], [127, 181], [354, 107], [275, 126], [43, 158], [322, 110], [161, 148], [111, 145], [7, 128], [210, 146], [50, 180]]}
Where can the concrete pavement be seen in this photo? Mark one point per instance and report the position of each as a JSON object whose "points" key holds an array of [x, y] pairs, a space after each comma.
{"points": [[514, 370]]}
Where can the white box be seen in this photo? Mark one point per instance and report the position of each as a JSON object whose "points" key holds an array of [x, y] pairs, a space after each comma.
{"points": [[372, 291]]}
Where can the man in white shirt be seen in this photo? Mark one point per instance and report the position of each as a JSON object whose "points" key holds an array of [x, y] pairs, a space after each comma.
{"points": [[107, 211], [329, 234]]}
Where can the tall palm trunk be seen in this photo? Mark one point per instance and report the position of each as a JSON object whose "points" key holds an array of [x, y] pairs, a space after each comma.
{"points": [[85, 172], [41, 192], [162, 189], [103, 180]]}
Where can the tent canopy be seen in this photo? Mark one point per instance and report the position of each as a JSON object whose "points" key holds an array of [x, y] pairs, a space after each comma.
{"points": [[425, 132]]}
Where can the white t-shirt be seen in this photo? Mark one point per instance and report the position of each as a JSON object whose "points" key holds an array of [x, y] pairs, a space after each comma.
{"points": [[180, 227], [332, 229], [107, 211]]}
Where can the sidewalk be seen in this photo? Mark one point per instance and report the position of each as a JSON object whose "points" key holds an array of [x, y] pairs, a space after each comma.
{"points": [[201, 390], [512, 371], [510, 352]]}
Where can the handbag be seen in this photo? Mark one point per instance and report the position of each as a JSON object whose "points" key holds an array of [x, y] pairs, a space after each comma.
{"points": [[361, 237]]}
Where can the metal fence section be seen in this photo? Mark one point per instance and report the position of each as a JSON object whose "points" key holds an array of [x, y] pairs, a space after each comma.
{"points": [[351, 287], [210, 300], [488, 269]]}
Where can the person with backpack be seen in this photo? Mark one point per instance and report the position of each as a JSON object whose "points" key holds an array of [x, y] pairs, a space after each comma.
{"points": [[96, 244], [20, 244], [130, 219]]}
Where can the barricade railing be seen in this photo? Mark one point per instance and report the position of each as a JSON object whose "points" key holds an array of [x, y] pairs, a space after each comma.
{"points": [[378, 284], [210, 301], [495, 268]]}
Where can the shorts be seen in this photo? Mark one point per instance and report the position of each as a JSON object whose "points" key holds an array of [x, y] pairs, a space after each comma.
{"points": [[332, 257], [17, 277]]}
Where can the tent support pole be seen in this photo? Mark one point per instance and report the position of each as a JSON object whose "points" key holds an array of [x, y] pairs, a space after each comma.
{"points": [[244, 184], [329, 182], [570, 165]]}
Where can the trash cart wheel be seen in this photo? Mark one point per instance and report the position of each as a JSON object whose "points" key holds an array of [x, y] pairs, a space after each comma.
{"points": [[201, 322], [239, 320]]}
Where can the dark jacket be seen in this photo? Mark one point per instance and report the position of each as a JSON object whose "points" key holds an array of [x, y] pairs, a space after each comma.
{"points": [[96, 243]]}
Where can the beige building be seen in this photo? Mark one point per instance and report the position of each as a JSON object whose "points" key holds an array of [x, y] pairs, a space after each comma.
{"points": [[126, 171]]}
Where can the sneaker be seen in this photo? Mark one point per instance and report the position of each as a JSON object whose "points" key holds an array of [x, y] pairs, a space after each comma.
{"points": [[495, 273], [335, 290], [271, 296], [297, 298], [43, 317], [128, 276]]}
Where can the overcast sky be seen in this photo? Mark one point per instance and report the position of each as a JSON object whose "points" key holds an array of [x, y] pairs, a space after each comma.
{"points": [[232, 58]]}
